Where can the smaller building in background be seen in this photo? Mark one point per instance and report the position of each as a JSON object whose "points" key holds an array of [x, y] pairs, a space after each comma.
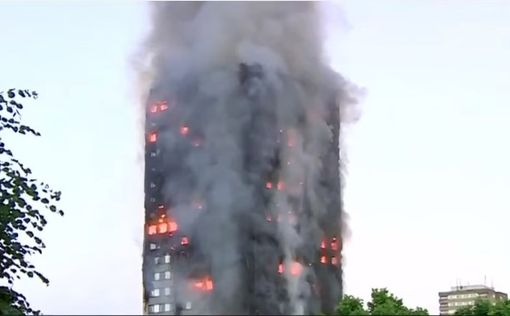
{"points": [[465, 295]]}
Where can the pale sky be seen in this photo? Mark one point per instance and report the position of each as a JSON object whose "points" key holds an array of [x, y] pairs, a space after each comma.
{"points": [[428, 165]]}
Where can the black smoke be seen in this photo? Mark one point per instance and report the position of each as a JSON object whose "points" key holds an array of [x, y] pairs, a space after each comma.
{"points": [[252, 136]]}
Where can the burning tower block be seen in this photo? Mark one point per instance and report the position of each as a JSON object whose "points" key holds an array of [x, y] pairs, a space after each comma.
{"points": [[243, 209], [178, 258]]}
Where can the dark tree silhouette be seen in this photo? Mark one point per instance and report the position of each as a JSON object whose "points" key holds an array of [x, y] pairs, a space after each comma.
{"points": [[23, 200]]}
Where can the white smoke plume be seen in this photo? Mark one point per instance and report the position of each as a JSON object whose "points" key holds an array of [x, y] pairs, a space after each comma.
{"points": [[253, 108]]}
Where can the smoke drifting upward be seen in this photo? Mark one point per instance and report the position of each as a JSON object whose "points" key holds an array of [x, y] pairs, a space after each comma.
{"points": [[243, 156]]}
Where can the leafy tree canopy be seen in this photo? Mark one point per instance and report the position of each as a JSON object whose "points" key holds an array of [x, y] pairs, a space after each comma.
{"points": [[23, 200], [484, 307], [382, 303]]}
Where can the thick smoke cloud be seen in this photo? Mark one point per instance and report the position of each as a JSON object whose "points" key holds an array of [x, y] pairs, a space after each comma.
{"points": [[251, 102]]}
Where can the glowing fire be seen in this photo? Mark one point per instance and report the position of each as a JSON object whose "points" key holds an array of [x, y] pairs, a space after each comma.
{"points": [[172, 226], [152, 230], [269, 185], [163, 105], [153, 137], [334, 244], [204, 284], [159, 106], [334, 260], [184, 241], [323, 244], [280, 186], [324, 259], [184, 130], [296, 268], [163, 228]]}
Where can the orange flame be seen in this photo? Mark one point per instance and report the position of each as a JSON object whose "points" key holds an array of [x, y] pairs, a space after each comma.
{"points": [[296, 268], [334, 244], [163, 228], [163, 105], [184, 130], [152, 230], [153, 137], [204, 284]]}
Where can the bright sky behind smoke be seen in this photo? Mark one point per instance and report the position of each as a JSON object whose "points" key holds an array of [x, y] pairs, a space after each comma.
{"points": [[428, 159]]}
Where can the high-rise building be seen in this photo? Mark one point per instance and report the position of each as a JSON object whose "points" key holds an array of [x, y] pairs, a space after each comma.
{"points": [[177, 275], [466, 295]]}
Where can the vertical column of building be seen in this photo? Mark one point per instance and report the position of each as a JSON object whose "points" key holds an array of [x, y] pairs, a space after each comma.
{"points": [[171, 282], [160, 227], [329, 270]]}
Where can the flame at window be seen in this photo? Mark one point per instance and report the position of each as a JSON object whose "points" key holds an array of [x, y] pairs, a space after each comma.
{"points": [[164, 225], [295, 268], [158, 106], [163, 105], [184, 130], [184, 241], [334, 244], [204, 284], [324, 260], [152, 230], [280, 186], [269, 185], [153, 137], [163, 228]]}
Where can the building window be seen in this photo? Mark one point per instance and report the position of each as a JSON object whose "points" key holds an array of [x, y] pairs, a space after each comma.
{"points": [[167, 259], [156, 260], [154, 308], [187, 306], [152, 246], [167, 307], [167, 291], [167, 275], [155, 293], [157, 276]]}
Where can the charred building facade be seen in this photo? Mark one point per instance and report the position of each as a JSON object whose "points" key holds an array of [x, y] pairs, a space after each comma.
{"points": [[245, 237]]}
